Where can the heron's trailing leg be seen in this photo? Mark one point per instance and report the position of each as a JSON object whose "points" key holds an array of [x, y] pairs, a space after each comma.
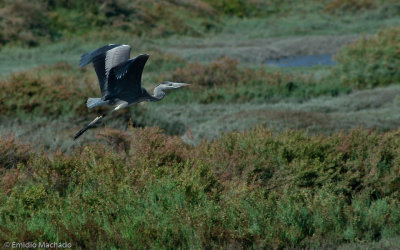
{"points": [[99, 118], [89, 126]]}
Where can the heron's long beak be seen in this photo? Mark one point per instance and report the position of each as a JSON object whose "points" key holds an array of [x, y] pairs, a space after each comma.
{"points": [[179, 84]]}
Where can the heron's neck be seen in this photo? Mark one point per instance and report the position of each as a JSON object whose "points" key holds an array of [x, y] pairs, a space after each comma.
{"points": [[159, 94]]}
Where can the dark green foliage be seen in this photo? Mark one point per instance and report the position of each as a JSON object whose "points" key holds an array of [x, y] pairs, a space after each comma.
{"points": [[251, 189], [224, 81], [12, 153], [371, 62], [252, 8], [51, 91], [24, 22], [30, 23], [340, 7], [62, 90]]}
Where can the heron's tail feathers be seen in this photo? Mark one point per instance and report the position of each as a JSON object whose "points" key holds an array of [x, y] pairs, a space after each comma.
{"points": [[94, 102]]}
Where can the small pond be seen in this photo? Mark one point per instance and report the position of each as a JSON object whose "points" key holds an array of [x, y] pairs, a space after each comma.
{"points": [[303, 61]]}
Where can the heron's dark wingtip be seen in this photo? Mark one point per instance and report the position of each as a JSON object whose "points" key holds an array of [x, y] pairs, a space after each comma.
{"points": [[85, 60]]}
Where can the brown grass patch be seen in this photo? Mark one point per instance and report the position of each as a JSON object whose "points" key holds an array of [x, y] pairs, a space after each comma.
{"points": [[303, 119]]}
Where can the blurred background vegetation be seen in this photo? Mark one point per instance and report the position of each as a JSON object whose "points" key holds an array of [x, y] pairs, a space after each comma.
{"points": [[254, 154]]}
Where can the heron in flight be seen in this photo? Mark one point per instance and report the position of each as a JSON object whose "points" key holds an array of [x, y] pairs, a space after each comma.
{"points": [[120, 80]]}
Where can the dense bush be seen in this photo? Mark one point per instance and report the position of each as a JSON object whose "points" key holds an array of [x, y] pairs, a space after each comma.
{"points": [[25, 22], [371, 61], [47, 90], [223, 71], [345, 6], [340, 6], [225, 80], [12, 153], [62, 90], [29, 23], [251, 189]]}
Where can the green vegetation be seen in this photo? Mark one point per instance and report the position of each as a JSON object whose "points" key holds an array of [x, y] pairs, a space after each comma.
{"points": [[32, 23], [61, 90], [371, 62], [254, 189], [248, 156], [223, 81], [28, 23], [51, 91]]}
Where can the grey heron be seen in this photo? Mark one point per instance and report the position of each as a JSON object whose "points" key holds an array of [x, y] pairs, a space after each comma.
{"points": [[120, 80]]}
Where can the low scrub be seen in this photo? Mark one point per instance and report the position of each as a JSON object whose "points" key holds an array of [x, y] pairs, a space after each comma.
{"points": [[48, 91], [62, 89], [253, 189], [354, 6], [224, 80], [23, 22], [29, 23], [371, 61], [251, 8]]}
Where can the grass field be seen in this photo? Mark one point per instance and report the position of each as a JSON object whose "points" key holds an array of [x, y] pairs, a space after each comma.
{"points": [[249, 156]]}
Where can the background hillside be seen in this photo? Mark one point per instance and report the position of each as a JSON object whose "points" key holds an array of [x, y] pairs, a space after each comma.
{"points": [[287, 137]]}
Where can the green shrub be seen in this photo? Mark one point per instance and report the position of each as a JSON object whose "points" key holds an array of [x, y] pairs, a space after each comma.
{"points": [[242, 8], [371, 62], [12, 152], [30, 23], [340, 6], [354, 6], [47, 90], [223, 80], [253, 189], [24, 22]]}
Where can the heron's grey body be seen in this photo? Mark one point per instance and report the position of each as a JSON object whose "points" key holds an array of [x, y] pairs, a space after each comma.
{"points": [[120, 79]]}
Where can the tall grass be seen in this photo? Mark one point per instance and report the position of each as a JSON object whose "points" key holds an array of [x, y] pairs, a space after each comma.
{"points": [[253, 189]]}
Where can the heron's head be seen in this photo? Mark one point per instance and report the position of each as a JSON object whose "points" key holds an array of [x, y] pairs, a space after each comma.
{"points": [[172, 85]]}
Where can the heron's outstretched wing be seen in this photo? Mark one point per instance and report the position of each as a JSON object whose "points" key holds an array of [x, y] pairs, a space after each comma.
{"points": [[88, 57], [104, 59], [125, 79]]}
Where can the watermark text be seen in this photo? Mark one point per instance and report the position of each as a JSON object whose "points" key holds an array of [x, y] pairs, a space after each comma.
{"points": [[39, 244]]}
